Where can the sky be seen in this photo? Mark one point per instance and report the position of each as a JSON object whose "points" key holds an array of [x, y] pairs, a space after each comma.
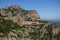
{"points": [[47, 9]]}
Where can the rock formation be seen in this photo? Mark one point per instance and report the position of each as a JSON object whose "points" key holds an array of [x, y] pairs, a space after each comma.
{"points": [[18, 14], [17, 23]]}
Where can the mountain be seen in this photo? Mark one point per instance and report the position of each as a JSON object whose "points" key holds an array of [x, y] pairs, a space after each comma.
{"points": [[54, 21], [17, 23]]}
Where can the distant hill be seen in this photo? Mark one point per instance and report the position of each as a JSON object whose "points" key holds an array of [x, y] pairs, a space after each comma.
{"points": [[54, 21]]}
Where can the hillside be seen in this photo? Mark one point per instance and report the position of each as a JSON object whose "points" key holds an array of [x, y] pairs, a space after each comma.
{"points": [[17, 23]]}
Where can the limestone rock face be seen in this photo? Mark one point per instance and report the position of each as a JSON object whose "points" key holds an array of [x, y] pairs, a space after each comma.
{"points": [[17, 23], [33, 16], [18, 14]]}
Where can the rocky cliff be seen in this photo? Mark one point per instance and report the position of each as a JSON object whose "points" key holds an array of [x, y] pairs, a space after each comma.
{"points": [[18, 14], [17, 23]]}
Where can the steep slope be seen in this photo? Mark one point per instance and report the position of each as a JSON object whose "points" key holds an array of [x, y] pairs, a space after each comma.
{"points": [[19, 24], [18, 14]]}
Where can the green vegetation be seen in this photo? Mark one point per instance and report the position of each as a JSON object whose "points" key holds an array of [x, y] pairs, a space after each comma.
{"points": [[43, 21], [25, 12], [7, 25]]}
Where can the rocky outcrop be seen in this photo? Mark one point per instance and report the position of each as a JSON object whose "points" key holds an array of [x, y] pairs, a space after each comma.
{"points": [[42, 31], [18, 14], [17, 23]]}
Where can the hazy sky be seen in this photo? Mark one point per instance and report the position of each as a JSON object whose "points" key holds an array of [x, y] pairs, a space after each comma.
{"points": [[47, 9]]}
